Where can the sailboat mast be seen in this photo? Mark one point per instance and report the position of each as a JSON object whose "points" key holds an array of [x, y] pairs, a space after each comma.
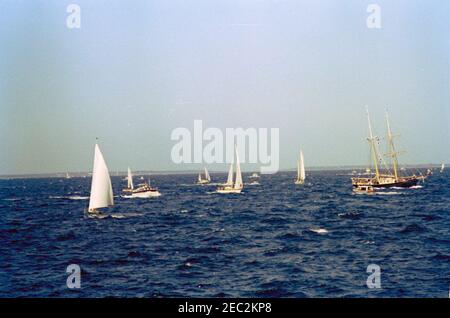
{"points": [[373, 147], [392, 152]]}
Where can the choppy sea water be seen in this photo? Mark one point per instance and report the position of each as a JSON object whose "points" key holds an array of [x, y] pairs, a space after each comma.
{"points": [[191, 242]]}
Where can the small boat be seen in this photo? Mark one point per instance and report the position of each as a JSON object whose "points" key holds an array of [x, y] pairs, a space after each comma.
{"points": [[67, 175], [143, 190], [300, 170], [391, 177], [254, 182], [233, 186], [101, 188], [442, 168], [364, 189], [206, 180], [254, 176]]}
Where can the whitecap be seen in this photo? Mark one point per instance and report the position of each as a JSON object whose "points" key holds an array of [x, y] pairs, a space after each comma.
{"points": [[319, 231], [78, 197]]}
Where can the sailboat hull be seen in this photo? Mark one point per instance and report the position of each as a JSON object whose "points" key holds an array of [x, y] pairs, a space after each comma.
{"points": [[230, 190]]}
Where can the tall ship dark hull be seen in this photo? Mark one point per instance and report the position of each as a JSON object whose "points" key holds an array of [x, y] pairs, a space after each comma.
{"points": [[388, 182]]}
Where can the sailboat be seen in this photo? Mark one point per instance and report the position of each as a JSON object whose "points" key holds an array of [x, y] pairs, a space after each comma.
{"points": [[205, 180], [300, 170], [442, 167], [390, 178], [236, 185], [101, 188], [67, 175], [143, 190]]}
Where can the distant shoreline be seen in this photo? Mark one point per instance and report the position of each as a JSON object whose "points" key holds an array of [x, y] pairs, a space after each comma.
{"points": [[183, 172]]}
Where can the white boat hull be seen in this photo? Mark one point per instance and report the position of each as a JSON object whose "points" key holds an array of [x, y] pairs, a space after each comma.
{"points": [[224, 191], [146, 194]]}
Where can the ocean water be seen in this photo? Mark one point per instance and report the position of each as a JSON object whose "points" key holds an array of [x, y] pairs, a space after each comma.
{"points": [[190, 242]]}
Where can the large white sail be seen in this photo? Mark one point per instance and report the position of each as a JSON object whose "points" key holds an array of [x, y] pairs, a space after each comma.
{"points": [[130, 179], [302, 167], [101, 188], [230, 176], [442, 167], [238, 183], [207, 176]]}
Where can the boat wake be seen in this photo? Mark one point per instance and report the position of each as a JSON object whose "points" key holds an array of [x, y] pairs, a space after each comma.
{"points": [[114, 215], [70, 197], [412, 187], [388, 193]]}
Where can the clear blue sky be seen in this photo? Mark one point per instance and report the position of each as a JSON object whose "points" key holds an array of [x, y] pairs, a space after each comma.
{"points": [[138, 69]]}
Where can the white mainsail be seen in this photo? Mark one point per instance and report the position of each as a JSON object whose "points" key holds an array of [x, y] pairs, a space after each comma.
{"points": [[301, 176], [238, 183], [207, 176], [130, 179], [230, 176], [101, 188], [442, 167], [302, 167]]}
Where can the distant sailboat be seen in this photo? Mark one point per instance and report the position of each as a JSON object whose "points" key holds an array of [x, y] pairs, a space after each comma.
{"points": [[143, 190], [237, 185], [101, 188], [205, 180], [67, 175], [442, 167], [301, 170]]}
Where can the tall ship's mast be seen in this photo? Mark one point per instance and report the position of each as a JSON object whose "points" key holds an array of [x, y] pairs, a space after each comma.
{"points": [[392, 152], [373, 147]]}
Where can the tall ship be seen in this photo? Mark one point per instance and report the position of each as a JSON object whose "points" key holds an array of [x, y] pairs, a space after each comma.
{"points": [[385, 175]]}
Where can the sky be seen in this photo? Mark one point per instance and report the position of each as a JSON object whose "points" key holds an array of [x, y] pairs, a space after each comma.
{"points": [[136, 70]]}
